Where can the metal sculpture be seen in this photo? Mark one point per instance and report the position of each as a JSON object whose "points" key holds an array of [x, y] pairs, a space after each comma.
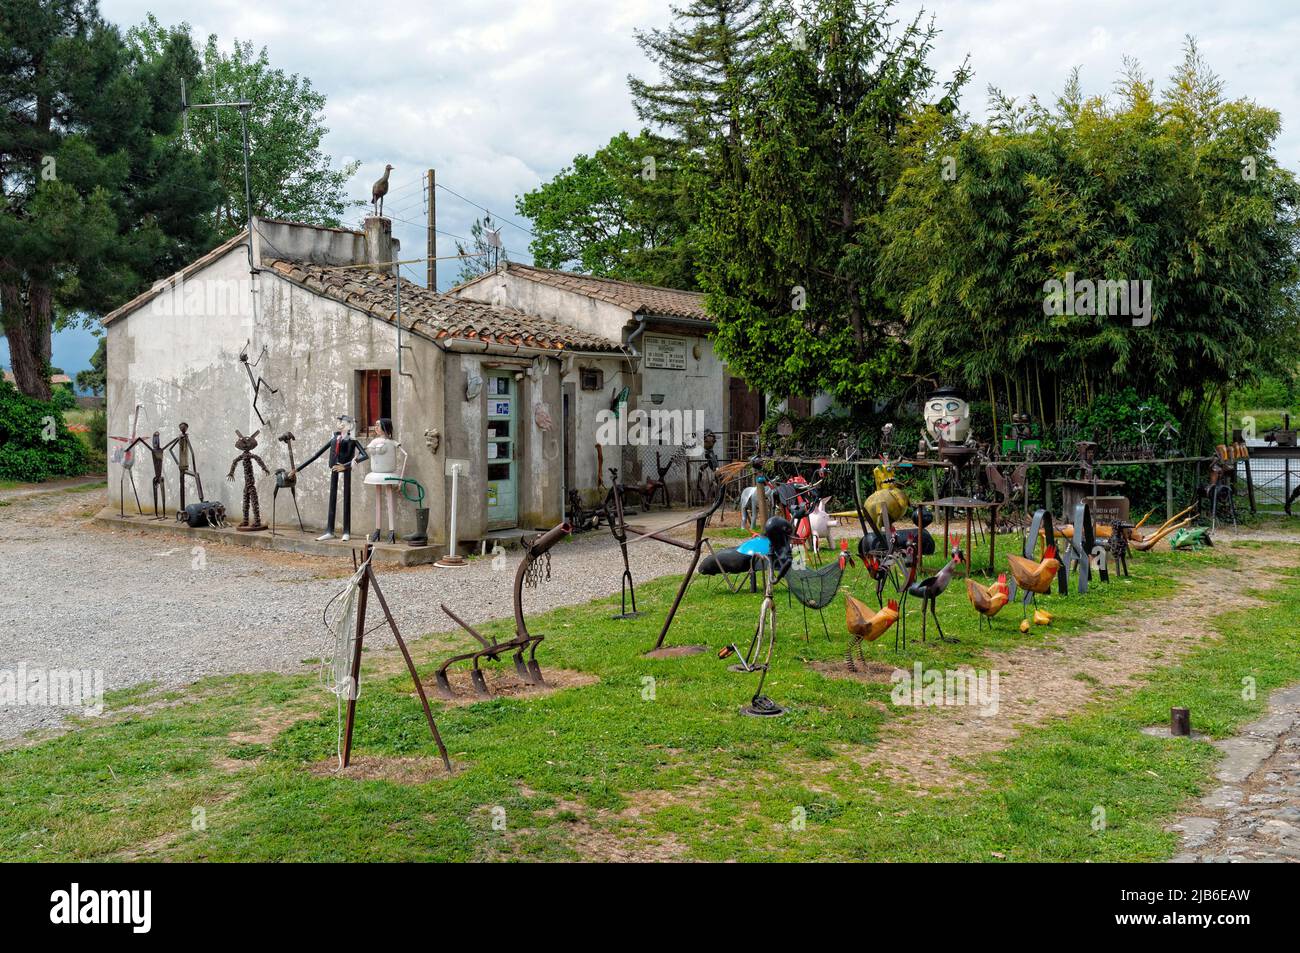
{"points": [[204, 513], [749, 504], [988, 600], [125, 456], [359, 587], [385, 476], [614, 515], [866, 626], [344, 451], [158, 453], [1083, 550], [701, 520], [182, 453], [287, 480], [929, 590], [246, 446], [257, 381], [1040, 525], [816, 588], [947, 418], [531, 571], [379, 190], [760, 706]]}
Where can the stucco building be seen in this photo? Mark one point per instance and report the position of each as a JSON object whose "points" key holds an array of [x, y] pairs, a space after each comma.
{"points": [[321, 320], [667, 361]]}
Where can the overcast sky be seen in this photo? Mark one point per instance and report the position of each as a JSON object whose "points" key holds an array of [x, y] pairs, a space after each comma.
{"points": [[498, 95]]}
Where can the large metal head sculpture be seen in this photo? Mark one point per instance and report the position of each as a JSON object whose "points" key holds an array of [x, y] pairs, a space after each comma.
{"points": [[947, 416]]}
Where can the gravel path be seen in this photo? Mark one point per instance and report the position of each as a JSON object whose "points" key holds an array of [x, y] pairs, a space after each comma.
{"points": [[143, 607]]}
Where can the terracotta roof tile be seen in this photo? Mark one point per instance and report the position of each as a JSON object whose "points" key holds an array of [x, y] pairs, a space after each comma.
{"points": [[436, 315]]}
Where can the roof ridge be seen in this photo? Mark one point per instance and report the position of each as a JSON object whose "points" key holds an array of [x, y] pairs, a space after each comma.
{"points": [[617, 281]]}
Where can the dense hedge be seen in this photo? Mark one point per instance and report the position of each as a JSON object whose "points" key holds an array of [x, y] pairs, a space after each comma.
{"points": [[25, 454]]}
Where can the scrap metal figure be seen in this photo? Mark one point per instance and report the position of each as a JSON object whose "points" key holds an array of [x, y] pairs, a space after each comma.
{"points": [[158, 452], [126, 457], [246, 446], [343, 451], [258, 382], [286, 480], [187, 462]]}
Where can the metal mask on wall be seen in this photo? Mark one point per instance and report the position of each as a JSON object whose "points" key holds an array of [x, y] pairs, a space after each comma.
{"points": [[473, 386]]}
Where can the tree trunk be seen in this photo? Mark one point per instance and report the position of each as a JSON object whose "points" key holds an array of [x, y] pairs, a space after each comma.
{"points": [[27, 328]]}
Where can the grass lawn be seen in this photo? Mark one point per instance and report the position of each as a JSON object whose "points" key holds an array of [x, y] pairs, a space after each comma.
{"points": [[235, 768]]}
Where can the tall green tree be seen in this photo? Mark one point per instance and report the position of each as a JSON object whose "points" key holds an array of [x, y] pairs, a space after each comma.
{"points": [[706, 60], [100, 197], [617, 213], [291, 177], [791, 249], [1179, 188]]}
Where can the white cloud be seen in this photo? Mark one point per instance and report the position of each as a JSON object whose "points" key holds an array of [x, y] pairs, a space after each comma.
{"points": [[498, 96]]}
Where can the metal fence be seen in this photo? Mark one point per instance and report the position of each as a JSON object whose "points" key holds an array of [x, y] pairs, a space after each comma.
{"points": [[1270, 476]]}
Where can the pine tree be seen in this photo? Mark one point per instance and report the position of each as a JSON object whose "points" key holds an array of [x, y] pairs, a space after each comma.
{"points": [[100, 198], [706, 64]]}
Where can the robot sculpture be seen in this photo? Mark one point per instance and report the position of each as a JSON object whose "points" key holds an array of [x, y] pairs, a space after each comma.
{"points": [[158, 452], [187, 463], [246, 446], [385, 476], [343, 451]]}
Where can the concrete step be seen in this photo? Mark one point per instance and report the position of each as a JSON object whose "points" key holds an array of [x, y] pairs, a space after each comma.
{"points": [[286, 539]]}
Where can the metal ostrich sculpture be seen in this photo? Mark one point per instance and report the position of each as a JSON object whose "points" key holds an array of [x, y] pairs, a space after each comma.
{"points": [[379, 190]]}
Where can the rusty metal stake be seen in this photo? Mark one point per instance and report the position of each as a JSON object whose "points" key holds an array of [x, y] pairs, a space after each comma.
{"points": [[1180, 722]]}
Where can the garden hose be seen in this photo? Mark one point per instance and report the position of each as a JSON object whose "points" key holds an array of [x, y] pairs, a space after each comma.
{"points": [[418, 499]]}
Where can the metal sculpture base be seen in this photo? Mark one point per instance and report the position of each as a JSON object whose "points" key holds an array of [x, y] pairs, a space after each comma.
{"points": [[449, 561], [250, 528], [762, 707]]}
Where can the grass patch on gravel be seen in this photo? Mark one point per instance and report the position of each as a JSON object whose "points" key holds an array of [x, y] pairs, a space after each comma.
{"points": [[653, 759]]}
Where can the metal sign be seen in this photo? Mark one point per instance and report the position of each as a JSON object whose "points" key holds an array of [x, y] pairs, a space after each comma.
{"points": [[666, 353]]}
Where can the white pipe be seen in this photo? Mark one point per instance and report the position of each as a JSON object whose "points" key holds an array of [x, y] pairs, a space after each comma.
{"points": [[455, 492]]}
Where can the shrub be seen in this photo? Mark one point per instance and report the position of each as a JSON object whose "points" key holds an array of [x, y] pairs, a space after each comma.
{"points": [[26, 455]]}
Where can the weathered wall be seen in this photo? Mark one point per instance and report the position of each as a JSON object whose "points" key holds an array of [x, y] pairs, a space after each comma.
{"points": [[701, 386], [539, 457], [179, 357], [554, 304]]}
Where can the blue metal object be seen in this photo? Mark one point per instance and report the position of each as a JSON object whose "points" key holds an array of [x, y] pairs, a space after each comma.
{"points": [[758, 546]]}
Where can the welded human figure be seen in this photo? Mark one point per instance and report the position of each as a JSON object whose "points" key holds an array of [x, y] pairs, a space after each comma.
{"points": [[156, 450], [343, 452], [246, 446], [187, 462]]}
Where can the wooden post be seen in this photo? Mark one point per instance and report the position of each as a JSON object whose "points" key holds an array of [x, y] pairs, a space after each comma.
{"points": [[1169, 491], [364, 591], [431, 279]]}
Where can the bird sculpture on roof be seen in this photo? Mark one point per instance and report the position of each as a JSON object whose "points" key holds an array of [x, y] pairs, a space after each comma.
{"points": [[379, 190]]}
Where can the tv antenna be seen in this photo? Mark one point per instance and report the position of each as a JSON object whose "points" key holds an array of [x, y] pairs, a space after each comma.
{"points": [[243, 106]]}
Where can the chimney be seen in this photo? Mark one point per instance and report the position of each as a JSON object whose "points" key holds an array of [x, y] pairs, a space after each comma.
{"points": [[379, 244]]}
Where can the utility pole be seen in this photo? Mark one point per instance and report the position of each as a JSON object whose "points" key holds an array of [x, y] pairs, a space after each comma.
{"points": [[432, 274]]}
